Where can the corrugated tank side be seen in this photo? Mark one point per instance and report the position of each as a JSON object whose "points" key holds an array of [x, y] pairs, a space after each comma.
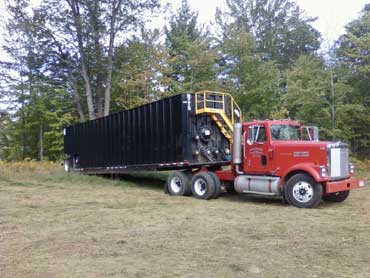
{"points": [[162, 133], [149, 134]]}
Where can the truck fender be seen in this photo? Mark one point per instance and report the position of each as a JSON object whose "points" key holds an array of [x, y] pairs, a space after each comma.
{"points": [[302, 168]]}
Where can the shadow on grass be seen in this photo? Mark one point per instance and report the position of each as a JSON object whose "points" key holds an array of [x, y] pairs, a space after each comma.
{"points": [[146, 180], [272, 200], [156, 181], [250, 198]]}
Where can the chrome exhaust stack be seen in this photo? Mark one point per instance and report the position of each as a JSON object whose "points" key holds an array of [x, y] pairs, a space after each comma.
{"points": [[237, 147]]}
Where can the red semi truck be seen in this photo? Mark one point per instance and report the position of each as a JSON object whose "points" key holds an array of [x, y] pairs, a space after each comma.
{"points": [[277, 158], [202, 139]]}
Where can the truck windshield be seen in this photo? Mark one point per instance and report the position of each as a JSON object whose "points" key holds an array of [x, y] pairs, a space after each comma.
{"points": [[285, 132]]}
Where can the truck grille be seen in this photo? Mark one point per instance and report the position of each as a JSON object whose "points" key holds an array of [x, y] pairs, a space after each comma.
{"points": [[338, 162]]}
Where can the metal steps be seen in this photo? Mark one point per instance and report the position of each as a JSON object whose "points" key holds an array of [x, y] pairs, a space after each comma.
{"points": [[222, 108]]}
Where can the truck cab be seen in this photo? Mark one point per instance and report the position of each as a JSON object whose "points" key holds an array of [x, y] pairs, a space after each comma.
{"points": [[281, 157], [273, 146]]}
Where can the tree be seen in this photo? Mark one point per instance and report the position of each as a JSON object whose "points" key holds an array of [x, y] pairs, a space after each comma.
{"points": [[80, 35], [140, 64], [353, 55], [308, 93], [281, 29], [254, 82], [191, 57], [38, 106]]}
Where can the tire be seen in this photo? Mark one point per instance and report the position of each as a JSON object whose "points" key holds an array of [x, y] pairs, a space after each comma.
{"points": [[302, 191], [165, 188], [337, 196], [178, 184], [203, 186], [217, 181]]}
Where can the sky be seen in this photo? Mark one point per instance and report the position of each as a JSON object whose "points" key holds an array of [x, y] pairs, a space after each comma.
{"points": [[332, 15]]}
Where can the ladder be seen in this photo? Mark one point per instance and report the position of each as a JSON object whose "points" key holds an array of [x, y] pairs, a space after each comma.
{"points": [[222, 109]]}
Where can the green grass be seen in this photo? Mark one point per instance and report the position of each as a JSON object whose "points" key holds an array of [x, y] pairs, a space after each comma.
{"points": [[54, 224]]}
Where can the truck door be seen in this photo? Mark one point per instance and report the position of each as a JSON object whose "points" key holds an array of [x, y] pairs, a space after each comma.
{"points": [[256, 150]]}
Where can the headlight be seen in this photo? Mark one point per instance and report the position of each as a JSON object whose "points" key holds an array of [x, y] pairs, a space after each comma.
{"points": [[323, 172], [361, 183]]}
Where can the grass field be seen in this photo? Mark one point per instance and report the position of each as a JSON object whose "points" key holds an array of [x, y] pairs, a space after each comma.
{"points": [[66, 225]]}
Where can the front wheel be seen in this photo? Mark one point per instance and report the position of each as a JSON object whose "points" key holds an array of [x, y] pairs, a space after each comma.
{"points": [[337, 196], [302, 191]]}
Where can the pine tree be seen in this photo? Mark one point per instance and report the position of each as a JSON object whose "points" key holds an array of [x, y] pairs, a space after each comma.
{"points": [[281, 29], [353, 50], [254, 82], [191, 57]]}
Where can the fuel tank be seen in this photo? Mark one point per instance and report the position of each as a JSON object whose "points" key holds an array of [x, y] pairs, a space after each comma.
{"points": [[265, 185]]}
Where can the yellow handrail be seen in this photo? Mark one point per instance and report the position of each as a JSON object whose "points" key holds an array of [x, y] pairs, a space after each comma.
{"points": [[201, 101]]}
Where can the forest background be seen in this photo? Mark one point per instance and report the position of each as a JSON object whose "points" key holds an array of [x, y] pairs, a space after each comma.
{"points": [[77, 60]]}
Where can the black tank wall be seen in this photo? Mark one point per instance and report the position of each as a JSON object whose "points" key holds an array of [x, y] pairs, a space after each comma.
{"points": [[163, 131]]}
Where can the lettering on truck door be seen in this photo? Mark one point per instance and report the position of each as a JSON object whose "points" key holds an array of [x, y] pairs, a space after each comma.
{"points": [[256, 150]]}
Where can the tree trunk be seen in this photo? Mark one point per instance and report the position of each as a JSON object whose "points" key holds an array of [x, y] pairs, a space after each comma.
{"points": [[76, 95], [41, 138], [332, 90], [89, 98], [77, 101], [93, 7], [78, 25], [99, 81], [108, 84], [100, 99]]}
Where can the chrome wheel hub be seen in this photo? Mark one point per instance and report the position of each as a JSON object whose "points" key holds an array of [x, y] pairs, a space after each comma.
{"points": [[302, 191], [175, 184], [200, 187]]}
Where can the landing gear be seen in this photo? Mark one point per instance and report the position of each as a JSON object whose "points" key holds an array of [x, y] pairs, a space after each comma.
{"points": [[67, 166]]}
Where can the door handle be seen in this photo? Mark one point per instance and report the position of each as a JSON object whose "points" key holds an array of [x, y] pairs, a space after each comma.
{"points": [[271, 153]]}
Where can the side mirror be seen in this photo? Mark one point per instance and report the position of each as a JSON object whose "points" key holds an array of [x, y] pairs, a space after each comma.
{"points": [[310, 133], [315, 133]]}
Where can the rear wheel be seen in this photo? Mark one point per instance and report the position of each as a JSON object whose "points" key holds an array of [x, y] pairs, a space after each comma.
{"points": [[217, 181], [337, 196], [303, 191], [203, 186], [178, 184]]}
